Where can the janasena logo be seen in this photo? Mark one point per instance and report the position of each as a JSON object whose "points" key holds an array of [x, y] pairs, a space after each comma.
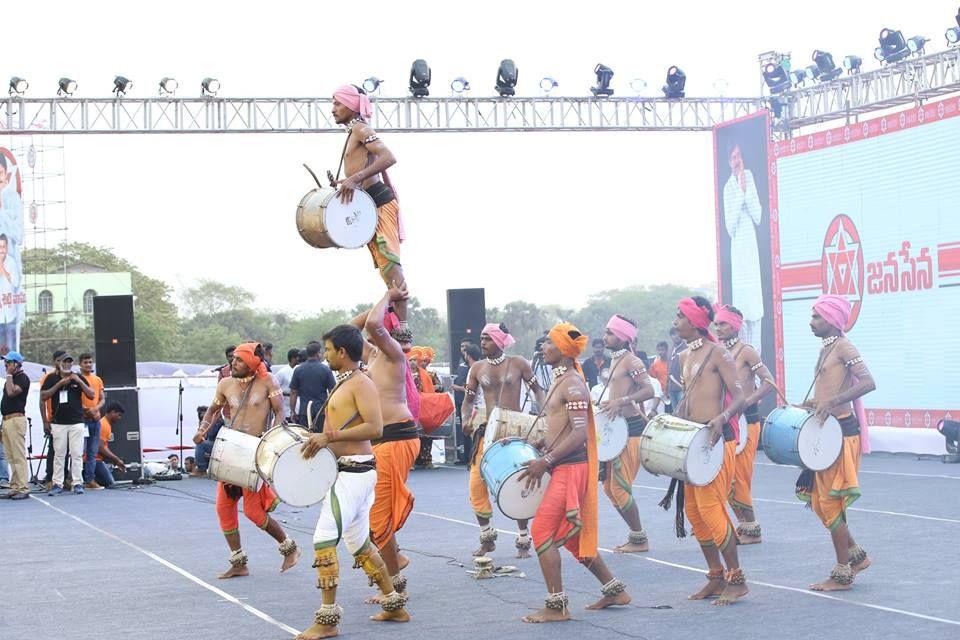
{"points": [[841, 264]]}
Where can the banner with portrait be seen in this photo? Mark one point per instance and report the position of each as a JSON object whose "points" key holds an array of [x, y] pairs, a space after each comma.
{"points": [[13, 300]]}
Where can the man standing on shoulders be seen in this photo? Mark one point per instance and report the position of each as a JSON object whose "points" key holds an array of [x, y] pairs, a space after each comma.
{"points": [[66, 389], [14, 407], [309, 385], [594, 365], [91, 419]]}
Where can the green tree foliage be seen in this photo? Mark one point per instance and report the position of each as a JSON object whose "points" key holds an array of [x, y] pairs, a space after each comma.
{"points": [[40, 336]]}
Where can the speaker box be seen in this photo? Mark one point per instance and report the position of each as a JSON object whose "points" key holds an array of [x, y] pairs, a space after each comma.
{"points": [[466, 315], [126, 433], [116, 345]]}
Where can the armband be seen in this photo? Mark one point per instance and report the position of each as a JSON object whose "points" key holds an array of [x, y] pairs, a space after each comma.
{"points": [[577, 405]]}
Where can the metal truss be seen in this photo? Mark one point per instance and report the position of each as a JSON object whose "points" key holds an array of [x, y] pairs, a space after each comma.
{"points": [[907, 82], [25, 115]]}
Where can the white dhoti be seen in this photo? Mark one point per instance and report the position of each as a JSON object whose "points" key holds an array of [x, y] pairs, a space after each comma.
{"points": [[345, 512]]}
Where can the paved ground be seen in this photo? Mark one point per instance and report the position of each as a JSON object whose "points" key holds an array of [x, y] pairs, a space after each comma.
{"points": [[143, 563]]}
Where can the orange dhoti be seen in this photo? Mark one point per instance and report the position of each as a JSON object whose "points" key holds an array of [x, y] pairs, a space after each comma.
{"points": [[479, 494], [837, 487], [385, 245], [257, 506], [741, 496], [706, 507], [621, 472], [393, 501], [558, 519]]}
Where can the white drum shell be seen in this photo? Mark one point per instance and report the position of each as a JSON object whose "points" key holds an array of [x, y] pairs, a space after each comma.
{"points": [[233, 459], [743, 435], [504, 423], [612, 435], [680, 449], [297, 482], [324, 221]]}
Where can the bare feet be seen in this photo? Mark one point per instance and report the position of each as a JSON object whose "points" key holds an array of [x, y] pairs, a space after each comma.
{"points": [[402, 560], [400, 615], [485, 548], [610, 601], [830, 585], [713, 588], [548, 615], [860, 567], [290, 560], [628, 547], [317, 631], [234, 572], [742, 539], [731, 593]]}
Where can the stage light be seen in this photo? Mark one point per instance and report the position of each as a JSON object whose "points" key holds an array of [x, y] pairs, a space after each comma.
{"points": [[459, 85], [916, 44], [776, 77], [121, 85], [209, 86], [507, 76], [168, 86], [952, 35], [604, 76], [852, 64], [893, 47], [828, 68], [813, 72], [798, 76], [676, 81], [638, 85], [66, 86], [548, 84], [18, 86], [372, 84], [420, 76]]}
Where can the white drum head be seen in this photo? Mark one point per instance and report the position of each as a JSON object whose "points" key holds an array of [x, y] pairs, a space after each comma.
{"points": [[515, 501], [351, 225], [743, 435], [819, 445], [612, 436], [703, 462], [303, 483]]}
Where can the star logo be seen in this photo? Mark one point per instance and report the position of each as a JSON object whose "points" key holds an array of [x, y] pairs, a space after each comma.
{"points": [[883, 126], [841, 264], [810, 142], [940, 110], [921, 114]]}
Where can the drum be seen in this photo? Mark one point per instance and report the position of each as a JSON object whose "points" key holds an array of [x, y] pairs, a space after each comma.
{"points": [[612, 435], [323, 221], [680, 449], [233, 459], [500, 468], [503, 423], [793, 436], [298, 482], [743, 435]]}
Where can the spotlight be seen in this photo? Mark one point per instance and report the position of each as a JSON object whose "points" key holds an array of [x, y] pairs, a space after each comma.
{"points": [[893, 47], [209, 86], [776, 77], [168, 86], [66, 86], [828, 68], [916, 44], [121, 85], [952, 35], [798, 76], [676, 81], [548, 84], [638, 85], [18, 86], [507, 76], [459, 85], [372, 84], [604, 76], [420, 78], [813, 72], [852, 64]]}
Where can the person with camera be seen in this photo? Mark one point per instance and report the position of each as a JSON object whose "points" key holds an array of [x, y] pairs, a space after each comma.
{"points": [[13, 408], [65, 389]]}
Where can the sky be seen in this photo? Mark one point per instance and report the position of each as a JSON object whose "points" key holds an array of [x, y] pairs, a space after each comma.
{"points": [[549, 218]]}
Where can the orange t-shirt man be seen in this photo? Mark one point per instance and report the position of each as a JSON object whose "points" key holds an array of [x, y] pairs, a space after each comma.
{"points": [[106, 432], [90, 405]]}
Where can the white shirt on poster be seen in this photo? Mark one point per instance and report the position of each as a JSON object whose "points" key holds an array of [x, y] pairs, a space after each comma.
{"points": [[742, 213]]}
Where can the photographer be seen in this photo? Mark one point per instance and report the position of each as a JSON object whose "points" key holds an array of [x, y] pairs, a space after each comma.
{"points": [[13, 407], [65, 389]]}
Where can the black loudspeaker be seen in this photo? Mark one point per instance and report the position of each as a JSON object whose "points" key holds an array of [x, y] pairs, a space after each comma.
{"points": [[466, 315], [115, 342], [126, 433]]}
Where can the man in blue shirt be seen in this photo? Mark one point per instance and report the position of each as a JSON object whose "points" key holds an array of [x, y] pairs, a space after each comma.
{"points": [[310, 384]]}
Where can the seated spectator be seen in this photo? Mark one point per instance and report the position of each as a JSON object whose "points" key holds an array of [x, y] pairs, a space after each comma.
{"points": [[205, 446], [173, 463], [113, 413], [189, 465]]}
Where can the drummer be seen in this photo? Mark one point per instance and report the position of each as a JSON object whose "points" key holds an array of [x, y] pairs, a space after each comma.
{"points": [[365, 160], [629, 386], [709, 376], [749, 366], [251, 393], [353, 420], [567, 516], [500, 378], [842, 378]]}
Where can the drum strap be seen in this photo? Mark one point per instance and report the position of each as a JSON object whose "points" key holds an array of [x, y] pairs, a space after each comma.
{"points": [[816, 376], [610, 379]]}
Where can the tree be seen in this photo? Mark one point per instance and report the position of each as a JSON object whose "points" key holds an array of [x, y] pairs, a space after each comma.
{"points": [[209, 297], [40, 336]]}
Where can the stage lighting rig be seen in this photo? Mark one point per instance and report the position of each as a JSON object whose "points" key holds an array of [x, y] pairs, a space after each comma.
{"points": [[121, 85], [548, 84], [372, 85], [852, 64], [420, 76], [460, 84], [798, 76], [168, 86], [604, 76], [209, 87], [775, 75], [893, 47], [953, 33], [917, 44], [66, 87], [507, 78], [18, 86], [676, 82], [828, 69]]}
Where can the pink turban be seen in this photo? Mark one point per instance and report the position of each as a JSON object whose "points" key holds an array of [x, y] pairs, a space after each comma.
{"points": [[350, 97], [722, 313], [697, 316], [834, 309], [501, 338], [622, 329]]}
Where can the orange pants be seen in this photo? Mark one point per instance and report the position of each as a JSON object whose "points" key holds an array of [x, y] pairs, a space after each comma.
{"points": [[479, 494], [385, 245], [837, 487], [557, 521], [256, 506], [706, 507], [393, 501], [621, 473], [740, 495]]}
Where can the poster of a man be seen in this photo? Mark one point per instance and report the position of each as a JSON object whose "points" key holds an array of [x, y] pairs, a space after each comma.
{"points": [[12, 299]]}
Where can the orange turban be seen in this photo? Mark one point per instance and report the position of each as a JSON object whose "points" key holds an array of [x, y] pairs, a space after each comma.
{"points": [[429, 353], [247, 353], [572, 347], [415, 352]]}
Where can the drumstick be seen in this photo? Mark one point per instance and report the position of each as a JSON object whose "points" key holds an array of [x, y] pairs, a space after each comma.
{"points": [[315, 179]]}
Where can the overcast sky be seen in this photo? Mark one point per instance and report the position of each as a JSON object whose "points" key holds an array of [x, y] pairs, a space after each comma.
{"points": [[543, 217]]}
